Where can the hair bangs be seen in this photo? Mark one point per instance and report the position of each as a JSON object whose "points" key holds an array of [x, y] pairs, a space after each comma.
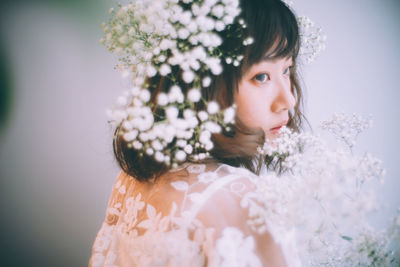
{"points": [[274, 29]]}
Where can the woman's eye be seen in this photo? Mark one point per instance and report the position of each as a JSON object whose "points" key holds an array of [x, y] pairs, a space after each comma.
{"points": [[261, 78], [288, 70]]}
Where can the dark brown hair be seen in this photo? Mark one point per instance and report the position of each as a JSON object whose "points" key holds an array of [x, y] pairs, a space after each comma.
{"points": [[276, 35]]}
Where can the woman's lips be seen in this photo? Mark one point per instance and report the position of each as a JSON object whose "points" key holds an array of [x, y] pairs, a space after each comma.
{"points": [[276, 129]]}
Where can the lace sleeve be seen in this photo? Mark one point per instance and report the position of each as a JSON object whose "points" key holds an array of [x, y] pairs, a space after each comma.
{"points": [[230, 206], [105, 237]]}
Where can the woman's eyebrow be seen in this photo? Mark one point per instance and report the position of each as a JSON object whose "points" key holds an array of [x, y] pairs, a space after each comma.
{"points": [[273, 60]]}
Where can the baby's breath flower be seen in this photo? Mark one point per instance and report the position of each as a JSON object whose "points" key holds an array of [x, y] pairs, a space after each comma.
{"points": [[188, 149], [194, 95], [159, 156], [180, 155], [202, 115], [172, 113], [212, 107], [188, 76], [313, 39], [162, 99], [206, 81], [145, 95], [165, 69], [229, 115], [151, 71]]}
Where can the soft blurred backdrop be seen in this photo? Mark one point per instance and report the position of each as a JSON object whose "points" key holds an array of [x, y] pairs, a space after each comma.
{"points": [[56, 80]]}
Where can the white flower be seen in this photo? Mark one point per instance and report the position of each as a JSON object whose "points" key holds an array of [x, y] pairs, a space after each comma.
{"points": [[156, 51], [214, 65], [206, 81], [165, 69], [188, 76], [185, 17], [193, 40], [219, 25], [229, 115], [199, 53], [180, 155], [188, 149], [162, 99], [183, 33], [175, 94], [205, 137], [143, 136], [169, 133], [156, 144], [228, 19], [202, 115], [188, 113], [209, 146], [212, 107], [172, 113], [137, 145], [248, 41], [181, 143], [149, 151], [212, 127], [145, 95], [180, 124], [159, 156], [162, 58], [151, 71], [146, 123], [194, 64], [165, 44], [188, 134], [194, 95], [192, 27], [218, 11], [192, 122], [130, 136], [127, 126]]}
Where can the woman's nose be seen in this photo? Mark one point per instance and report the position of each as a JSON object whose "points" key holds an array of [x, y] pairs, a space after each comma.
{"points": [[284, 99]]}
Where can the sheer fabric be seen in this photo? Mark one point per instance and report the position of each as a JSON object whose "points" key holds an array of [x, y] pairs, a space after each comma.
{"points": [[196, 215]]}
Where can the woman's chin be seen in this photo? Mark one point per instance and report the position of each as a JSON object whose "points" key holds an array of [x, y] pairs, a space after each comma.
{"points": [[271, 135]]}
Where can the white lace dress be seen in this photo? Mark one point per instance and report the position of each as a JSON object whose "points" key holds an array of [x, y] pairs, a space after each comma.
{"points": [[196, 215]]}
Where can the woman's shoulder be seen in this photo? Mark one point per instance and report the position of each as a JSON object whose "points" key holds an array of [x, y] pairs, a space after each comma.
{"points": [[192, 186], [208, 177]]}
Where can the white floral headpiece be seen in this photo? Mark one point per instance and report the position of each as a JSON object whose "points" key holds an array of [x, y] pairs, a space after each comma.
{"points": [[159, 37]]}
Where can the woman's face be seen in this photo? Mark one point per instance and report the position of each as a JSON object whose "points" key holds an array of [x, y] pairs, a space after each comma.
{"points": [[264, 96]]}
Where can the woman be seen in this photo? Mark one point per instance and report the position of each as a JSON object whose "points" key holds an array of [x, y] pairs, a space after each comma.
{"points": [[174, 209]]}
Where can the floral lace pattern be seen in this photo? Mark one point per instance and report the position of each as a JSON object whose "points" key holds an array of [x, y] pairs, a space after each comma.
{"points": [[196, 215]]}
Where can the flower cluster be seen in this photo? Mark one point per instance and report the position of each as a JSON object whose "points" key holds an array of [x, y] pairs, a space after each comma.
{"points": [[178, 40], [191, 133], [347, 127], [331, 184], [312, 39], [156, 36]]}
